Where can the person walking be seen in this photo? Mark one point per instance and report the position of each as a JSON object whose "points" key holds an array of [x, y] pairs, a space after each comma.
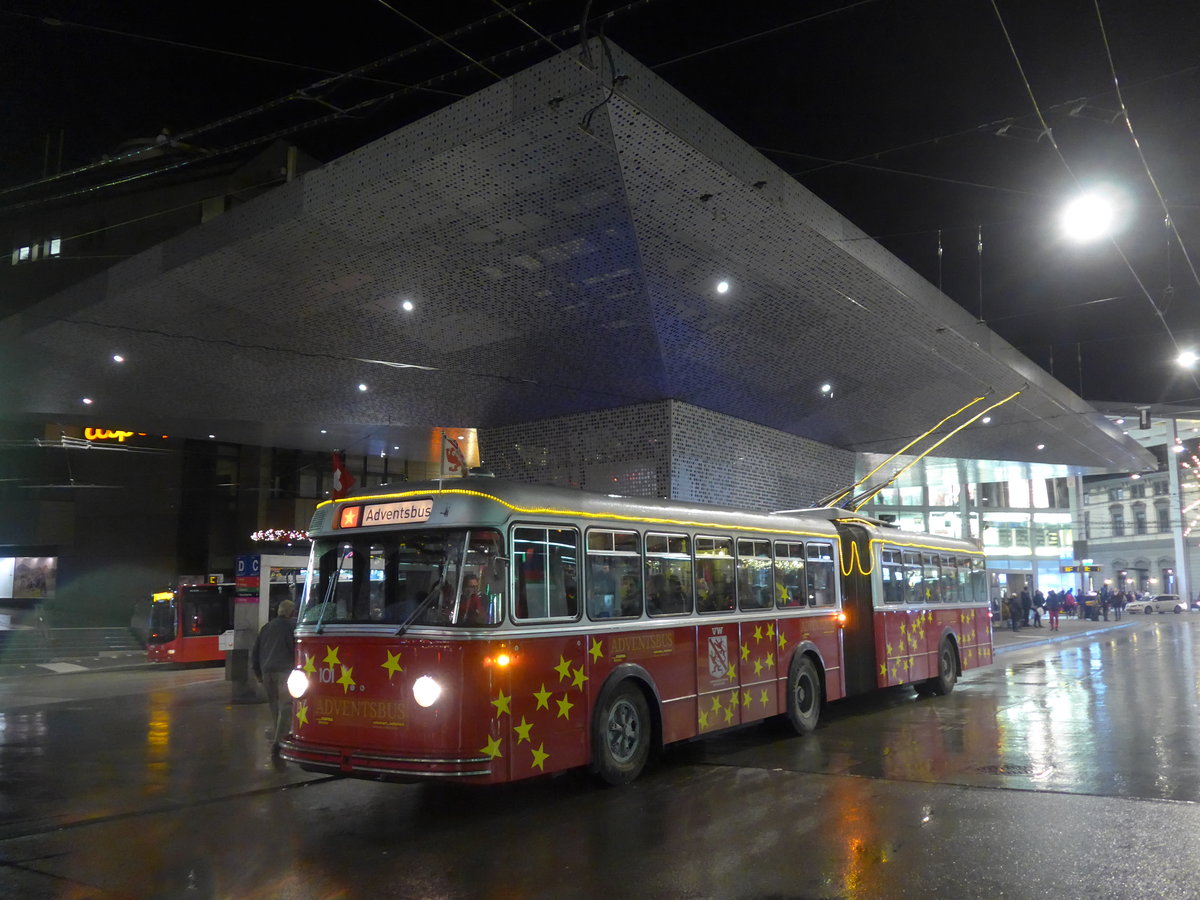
{"points": [[1053, 605], [1014, 612], [1026, 606], [1039, 600], [273, 657]]}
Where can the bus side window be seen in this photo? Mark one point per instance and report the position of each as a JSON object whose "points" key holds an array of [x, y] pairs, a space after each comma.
{"points": [[754, 587], [792, 587], [668, 575], [547, 577], [821, 579]]}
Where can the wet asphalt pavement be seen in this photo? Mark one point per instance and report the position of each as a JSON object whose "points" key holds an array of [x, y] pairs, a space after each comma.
{"points": [[1068, 768]]}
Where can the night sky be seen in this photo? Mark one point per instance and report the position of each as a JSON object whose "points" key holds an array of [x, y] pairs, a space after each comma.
{"points": [[889, 110]]}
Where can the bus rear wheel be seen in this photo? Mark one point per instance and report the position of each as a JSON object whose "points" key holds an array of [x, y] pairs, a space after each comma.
{"points": [[947, 676], [621, 743], [804, 695]]}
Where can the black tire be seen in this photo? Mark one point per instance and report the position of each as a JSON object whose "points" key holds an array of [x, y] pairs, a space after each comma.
{"points": [[621, 742], [804, 695], [1149, 609], [1178, 609], [943, 683]]}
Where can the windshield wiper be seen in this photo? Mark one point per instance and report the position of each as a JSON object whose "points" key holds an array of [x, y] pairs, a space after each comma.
{"points": [[421, 607], [333, 583]]}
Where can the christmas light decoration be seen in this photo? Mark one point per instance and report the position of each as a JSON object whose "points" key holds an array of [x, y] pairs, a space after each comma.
{"points": [[279, 536]]}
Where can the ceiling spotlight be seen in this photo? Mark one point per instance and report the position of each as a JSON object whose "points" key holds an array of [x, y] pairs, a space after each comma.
{"points": [[87, 401], [1041, 446], [986, 420], [722, 287], [362, 387], [407, 306], [211, 436], [827, 388], [323, 431], [1187, 358], [118, 358]]}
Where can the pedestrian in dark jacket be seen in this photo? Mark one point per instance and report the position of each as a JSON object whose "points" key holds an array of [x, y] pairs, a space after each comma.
{"points": [[1026, 606], [272, 659]]}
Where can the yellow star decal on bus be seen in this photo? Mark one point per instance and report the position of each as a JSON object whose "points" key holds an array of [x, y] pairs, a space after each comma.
{"points": [[563, 668], [579, 679], [393, 663], [764, 699], [770, 660], [770, 629], [539, 756], [783, 641], [309, 665], [703, 719], [716, 707], [758, 632], [758, 667], [597, 650], [883, 668], [745, 651], [903, 627], [746, 698], [492, 750], [331, 658], [501, 704], [730, 672], [347, 680], [729, 714], [302, 713], [522, 730], [564, 707], [889, 649], [543, 698]]}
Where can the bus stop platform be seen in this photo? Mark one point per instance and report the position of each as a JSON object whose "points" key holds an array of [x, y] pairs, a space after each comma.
{"points": [[1004, 638]]}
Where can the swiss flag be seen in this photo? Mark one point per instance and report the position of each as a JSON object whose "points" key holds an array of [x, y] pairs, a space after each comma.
{"points": [[342, 479], [453, 461]]}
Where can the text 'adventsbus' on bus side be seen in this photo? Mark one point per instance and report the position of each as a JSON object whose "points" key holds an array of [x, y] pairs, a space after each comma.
{"points": [[487, 631]]}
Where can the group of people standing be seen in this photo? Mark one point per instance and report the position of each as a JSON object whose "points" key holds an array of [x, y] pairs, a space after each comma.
{"points": [[1025, 611]]}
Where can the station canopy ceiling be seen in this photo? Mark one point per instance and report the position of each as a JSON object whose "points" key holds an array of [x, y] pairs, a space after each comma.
{"points": [[561, 237]]}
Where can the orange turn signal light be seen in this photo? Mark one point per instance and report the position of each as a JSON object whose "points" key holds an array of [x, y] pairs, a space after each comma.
{"points": [[841, 620]]}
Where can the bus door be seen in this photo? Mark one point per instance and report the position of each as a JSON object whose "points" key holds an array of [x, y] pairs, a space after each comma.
{"points": [[858, 633]]}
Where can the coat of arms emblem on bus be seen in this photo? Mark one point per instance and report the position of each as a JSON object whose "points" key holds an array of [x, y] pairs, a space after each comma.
{"points": [[718, 655]]}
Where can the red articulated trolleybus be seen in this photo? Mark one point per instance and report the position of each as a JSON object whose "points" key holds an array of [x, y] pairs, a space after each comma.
{"points": [[488, 631]]}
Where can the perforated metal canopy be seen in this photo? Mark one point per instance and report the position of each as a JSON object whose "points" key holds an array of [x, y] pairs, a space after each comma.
{"points": [[561, 240]]}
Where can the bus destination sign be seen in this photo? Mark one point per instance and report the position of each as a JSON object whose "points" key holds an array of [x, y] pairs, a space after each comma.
{"points": [[386, 514]]}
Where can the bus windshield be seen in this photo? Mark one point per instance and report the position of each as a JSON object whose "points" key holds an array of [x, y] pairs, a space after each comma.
{"points": [[162, 622], [432, 577]]}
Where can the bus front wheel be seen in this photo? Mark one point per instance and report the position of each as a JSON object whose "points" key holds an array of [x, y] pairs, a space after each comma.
{"points": [[622, 739], [804, 695]]}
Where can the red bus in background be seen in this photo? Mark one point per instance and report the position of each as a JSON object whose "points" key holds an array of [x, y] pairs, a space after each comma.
{"points": [[488, 631], [186, 624]]}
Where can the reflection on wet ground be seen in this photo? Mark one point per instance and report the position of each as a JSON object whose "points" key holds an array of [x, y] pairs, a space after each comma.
{"points": [[1115, 715]]}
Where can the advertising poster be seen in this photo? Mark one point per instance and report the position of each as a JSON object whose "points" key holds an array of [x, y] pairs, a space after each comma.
{"points": [[34, 577]]}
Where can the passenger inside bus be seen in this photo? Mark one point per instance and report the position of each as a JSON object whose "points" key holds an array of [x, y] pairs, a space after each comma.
{"points": [[631, 596]]}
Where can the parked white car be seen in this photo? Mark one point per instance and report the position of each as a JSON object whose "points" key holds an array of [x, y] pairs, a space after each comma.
{"points": [[1161, 604]]}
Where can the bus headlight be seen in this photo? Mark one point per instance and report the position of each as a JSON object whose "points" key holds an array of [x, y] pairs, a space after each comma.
{"points": [[426, 691], [297, 683]]}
